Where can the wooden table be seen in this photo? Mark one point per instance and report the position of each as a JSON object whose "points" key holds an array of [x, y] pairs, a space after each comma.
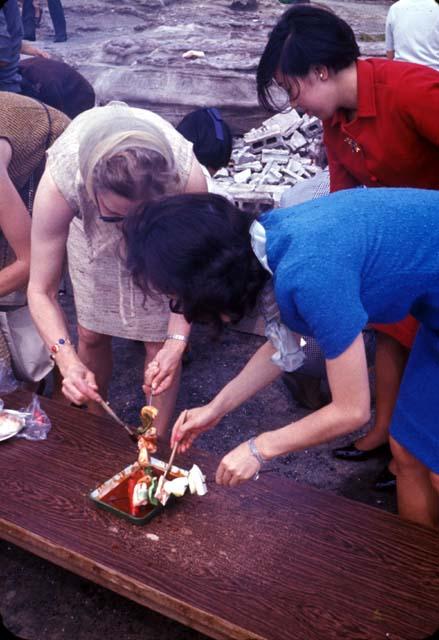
{"points": [[270, 559]]}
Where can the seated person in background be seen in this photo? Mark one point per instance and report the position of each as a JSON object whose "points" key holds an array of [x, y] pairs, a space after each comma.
{"points": [[57, 84], [51, 81], [211, 137]]}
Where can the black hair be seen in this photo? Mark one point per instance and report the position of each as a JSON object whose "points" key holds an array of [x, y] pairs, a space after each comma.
{"points": [[305, 36], [196, 249], [210, 135]]}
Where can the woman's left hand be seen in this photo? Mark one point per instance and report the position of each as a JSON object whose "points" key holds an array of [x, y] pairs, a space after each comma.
{"points": [[161, 372], [237, 466]]}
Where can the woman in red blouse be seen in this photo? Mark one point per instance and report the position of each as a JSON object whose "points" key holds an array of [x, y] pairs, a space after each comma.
{"points": [[381, 128]]}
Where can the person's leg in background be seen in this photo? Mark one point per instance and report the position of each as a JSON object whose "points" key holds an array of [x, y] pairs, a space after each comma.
{"points": [[390, 360], [28, 20], [393, 344], [58, 19], [165, 402], [94, 350]]}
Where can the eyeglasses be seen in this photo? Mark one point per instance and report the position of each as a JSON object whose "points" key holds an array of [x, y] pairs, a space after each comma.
{"points": [[110, 218], [115, 218]]}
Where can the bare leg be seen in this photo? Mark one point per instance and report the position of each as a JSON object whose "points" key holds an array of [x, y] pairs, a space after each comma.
{"points": [[418, 500], [94, 350], [390, 360], [165, 402]]}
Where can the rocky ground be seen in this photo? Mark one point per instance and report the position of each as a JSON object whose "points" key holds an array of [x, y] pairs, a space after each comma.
{"points": [[132, 50]]}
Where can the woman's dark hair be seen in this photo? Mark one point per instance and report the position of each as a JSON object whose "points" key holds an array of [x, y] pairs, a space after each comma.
{"points": [[210, 135], [196, 249], [305, 36]]}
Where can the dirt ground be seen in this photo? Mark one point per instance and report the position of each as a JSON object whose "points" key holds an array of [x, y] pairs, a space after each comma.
{"points": [[40, 601]]}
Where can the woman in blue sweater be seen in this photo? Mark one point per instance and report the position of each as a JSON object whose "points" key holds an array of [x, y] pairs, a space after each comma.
{"points": [[330, 277]]}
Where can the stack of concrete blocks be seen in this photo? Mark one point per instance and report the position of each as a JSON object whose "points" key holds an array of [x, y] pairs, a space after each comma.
{"points": [[266, 161]]}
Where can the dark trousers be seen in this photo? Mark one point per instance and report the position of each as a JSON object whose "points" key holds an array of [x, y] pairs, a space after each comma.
{"points": [[56, 13]]}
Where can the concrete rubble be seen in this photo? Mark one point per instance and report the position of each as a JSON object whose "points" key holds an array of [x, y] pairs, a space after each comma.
{"points": [[285, 150]]}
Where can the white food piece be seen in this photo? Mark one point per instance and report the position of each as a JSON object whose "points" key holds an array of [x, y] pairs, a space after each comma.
{"points": [[197, 481], [140, 494], [177, 486]]}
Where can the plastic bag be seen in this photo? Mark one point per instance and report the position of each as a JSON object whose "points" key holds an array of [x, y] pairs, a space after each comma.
{"points": [[37, 424], [8, 382]]}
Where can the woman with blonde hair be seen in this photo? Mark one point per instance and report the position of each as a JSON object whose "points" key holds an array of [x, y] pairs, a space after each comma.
{"points": [[109, 163]]}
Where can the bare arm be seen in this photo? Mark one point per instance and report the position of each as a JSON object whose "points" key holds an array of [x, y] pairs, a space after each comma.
{"points": [[349, 409], [15, 224], [257, 374], [51, 219], [30, 50]]}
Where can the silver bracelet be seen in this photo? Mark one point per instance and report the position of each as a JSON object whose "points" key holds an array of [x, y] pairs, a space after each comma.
{"points": [[255, 451], [177, 336]]}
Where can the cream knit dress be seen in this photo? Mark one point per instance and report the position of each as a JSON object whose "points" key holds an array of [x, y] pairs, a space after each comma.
{"points": [[106, 299]]}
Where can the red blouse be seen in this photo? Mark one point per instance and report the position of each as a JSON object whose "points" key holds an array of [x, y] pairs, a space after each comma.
{"points": [[392, 142], [394, 139]]}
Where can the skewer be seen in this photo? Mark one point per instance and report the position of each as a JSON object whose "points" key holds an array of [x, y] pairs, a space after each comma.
{"points": [[171, 460], [111, 413]]}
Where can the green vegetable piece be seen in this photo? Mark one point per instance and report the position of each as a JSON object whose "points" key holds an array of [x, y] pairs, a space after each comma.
{"points": [[151, 491]]}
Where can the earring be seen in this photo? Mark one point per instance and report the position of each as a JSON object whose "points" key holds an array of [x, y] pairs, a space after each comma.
{"points": [[321, 75]]}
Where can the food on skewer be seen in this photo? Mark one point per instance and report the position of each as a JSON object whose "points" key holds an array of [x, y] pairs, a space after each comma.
{"points": [[147, 444], [147, 416]]}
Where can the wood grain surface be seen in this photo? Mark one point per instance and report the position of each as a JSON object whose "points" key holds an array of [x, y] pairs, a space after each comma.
{"points": [[270, 559]]}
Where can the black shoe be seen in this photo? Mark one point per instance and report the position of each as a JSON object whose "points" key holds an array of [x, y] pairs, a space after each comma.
{"points": [[6, 634], [352, 454], [385, 481], [60, 38]]}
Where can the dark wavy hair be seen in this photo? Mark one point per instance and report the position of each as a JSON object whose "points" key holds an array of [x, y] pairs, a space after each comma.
{"points": [[305, 36], [196, 249]]}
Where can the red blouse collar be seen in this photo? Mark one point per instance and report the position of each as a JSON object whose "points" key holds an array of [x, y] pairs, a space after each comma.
{"points": [[366, 93]]}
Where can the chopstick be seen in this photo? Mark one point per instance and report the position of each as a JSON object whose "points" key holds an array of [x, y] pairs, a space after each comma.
{"points": [[174, 451], [116, 418], [171, 460]]}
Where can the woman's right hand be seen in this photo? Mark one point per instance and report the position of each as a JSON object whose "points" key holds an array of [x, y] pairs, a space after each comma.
{"points": [[191, 423], [79, 384]]}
